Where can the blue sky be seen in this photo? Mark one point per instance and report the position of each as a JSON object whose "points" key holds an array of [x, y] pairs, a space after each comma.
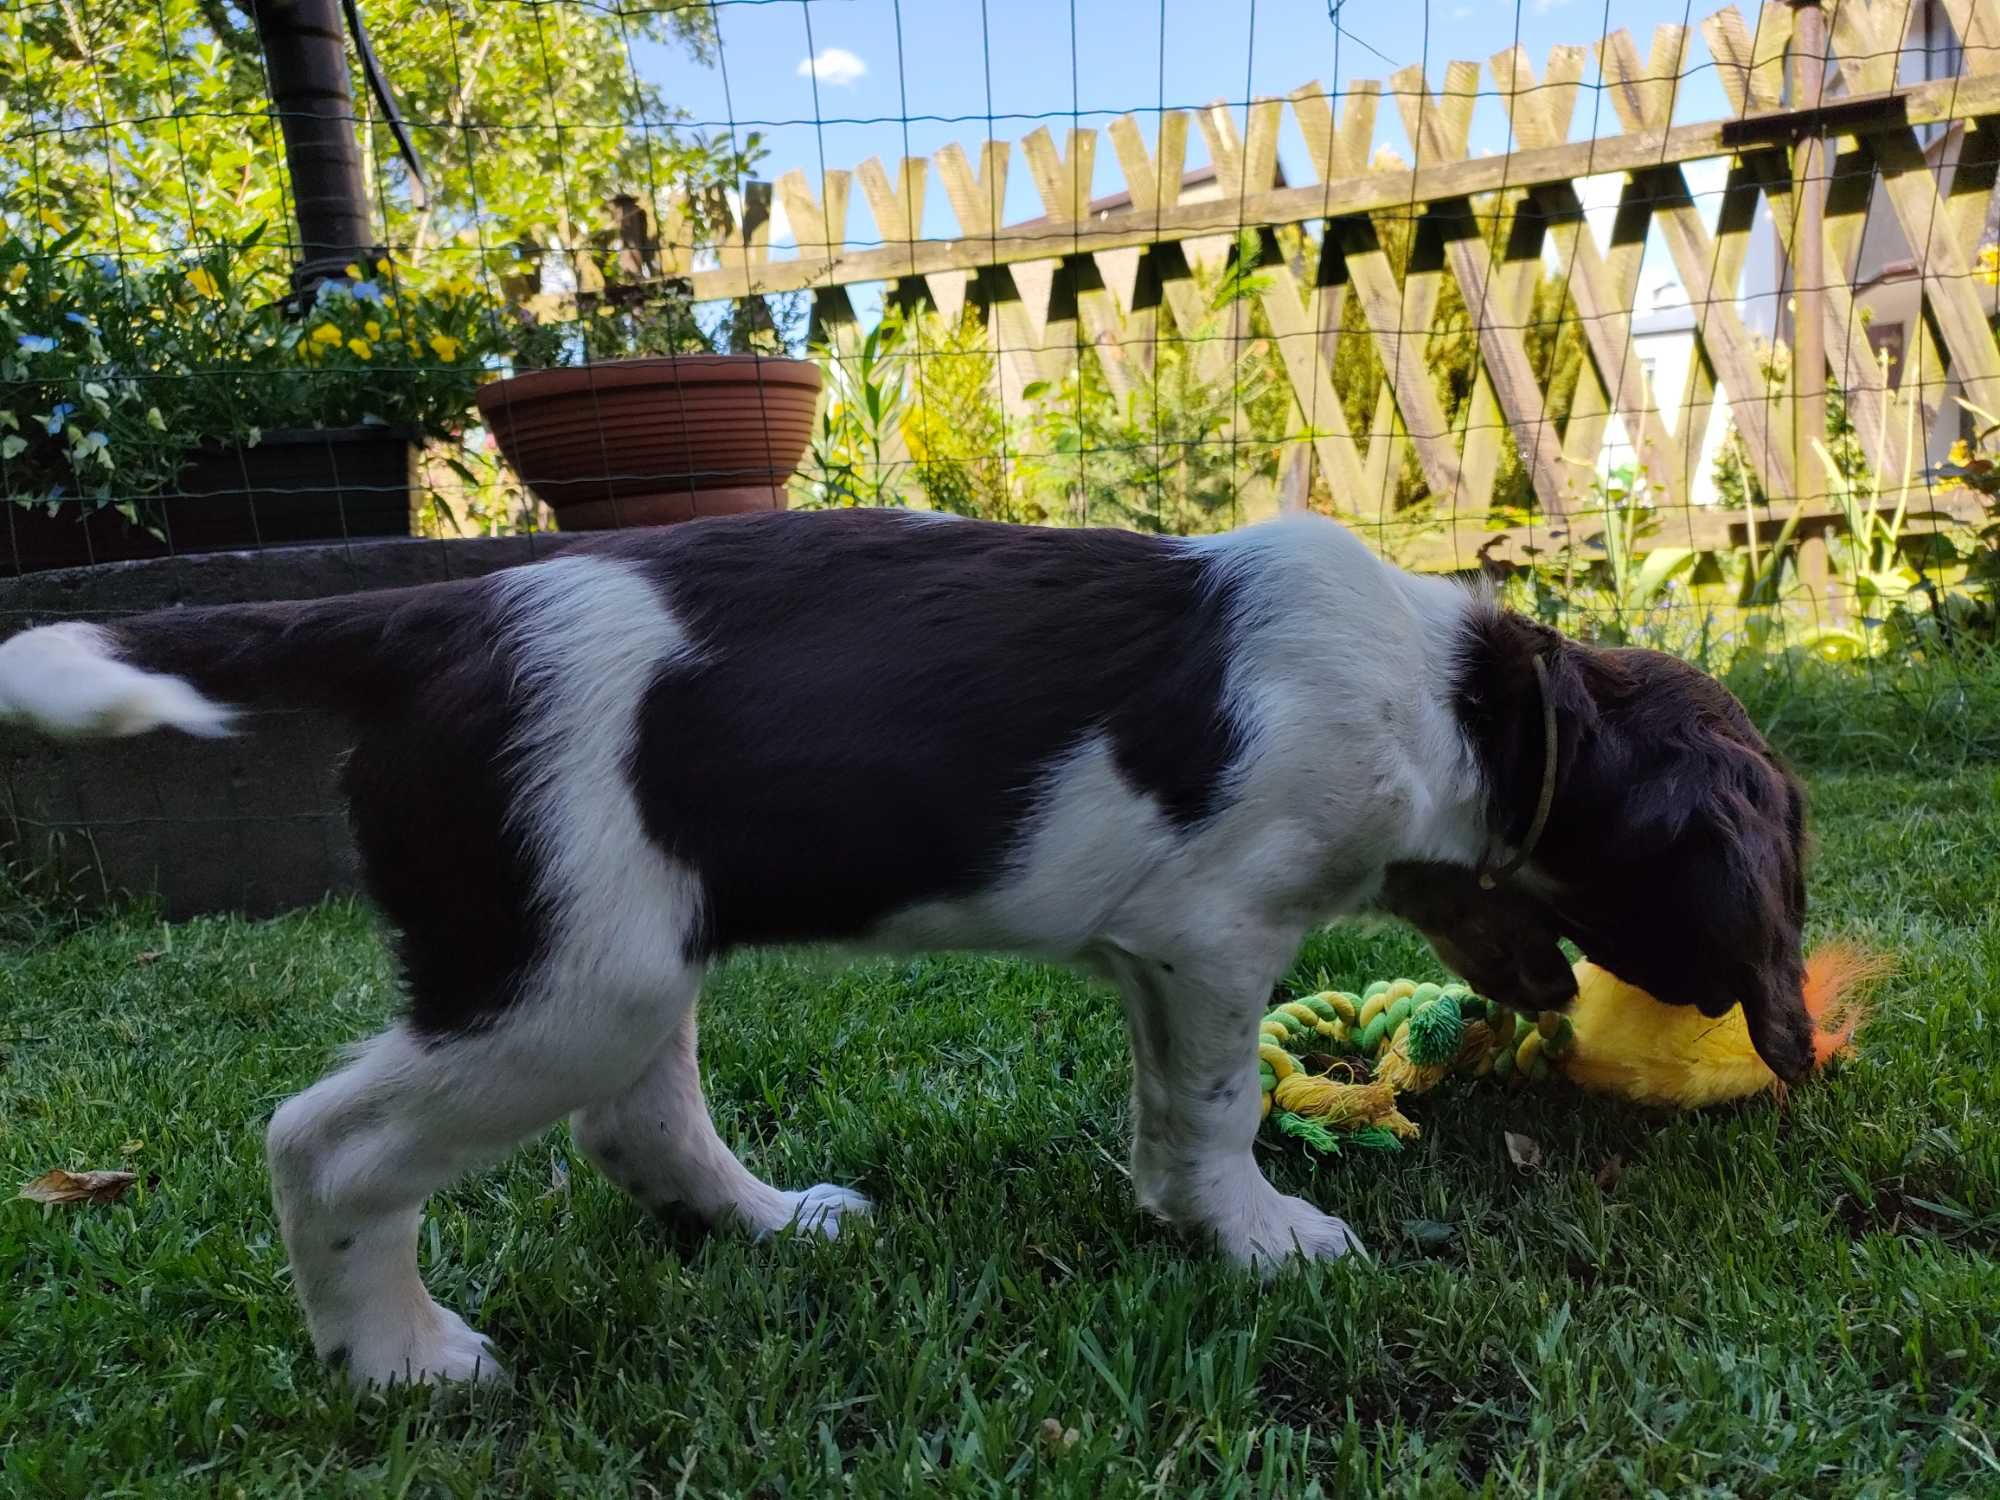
{"points": [[909, 76]]}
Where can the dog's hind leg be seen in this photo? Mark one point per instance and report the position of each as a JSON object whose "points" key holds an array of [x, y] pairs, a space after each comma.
{"points": [[354, 1157], [656, 1141]]}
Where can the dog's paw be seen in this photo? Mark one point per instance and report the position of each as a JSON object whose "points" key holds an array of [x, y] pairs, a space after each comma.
{"points": [[819, 1210], [435, 1348], [1275, 1229]]}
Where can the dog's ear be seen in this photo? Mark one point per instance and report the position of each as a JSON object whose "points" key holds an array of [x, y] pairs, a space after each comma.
{"points": [[1773, 992]]}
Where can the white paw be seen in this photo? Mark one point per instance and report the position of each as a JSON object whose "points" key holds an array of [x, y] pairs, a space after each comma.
{"points": [[820, 1208], [1273, 1229], [435, 1348]]}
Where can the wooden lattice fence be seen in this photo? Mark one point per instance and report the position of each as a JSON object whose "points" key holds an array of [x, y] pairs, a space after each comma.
{"points": [[1819, 165]]}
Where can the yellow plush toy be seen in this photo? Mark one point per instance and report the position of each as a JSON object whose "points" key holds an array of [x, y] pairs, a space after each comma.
{"points": [[1334, 1064]]}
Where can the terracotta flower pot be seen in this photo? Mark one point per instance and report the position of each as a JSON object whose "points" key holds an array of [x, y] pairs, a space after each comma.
{"points": [[646, 442]]}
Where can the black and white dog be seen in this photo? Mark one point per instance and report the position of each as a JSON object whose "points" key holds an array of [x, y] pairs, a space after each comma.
{"points": [[577, 783]]}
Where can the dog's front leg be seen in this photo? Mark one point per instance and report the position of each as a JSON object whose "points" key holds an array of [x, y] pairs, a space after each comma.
{"points": [[1195, 1112]]}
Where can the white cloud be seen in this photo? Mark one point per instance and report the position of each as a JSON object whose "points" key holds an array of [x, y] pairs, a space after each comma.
{"points": [[1543, 7], [835, 66], [1461, 13]]}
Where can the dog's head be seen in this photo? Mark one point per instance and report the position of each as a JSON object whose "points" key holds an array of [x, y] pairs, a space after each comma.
{"points": [[1674, 852]]}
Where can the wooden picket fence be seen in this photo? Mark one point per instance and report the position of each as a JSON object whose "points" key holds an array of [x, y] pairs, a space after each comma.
{"points": [[1074, 278]]}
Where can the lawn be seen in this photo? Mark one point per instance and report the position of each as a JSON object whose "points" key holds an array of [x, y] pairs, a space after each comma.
{"points": [[1756, 1301]]}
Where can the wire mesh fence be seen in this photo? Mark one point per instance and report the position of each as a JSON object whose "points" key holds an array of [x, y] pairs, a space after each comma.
{"points": [[1684, 341]]}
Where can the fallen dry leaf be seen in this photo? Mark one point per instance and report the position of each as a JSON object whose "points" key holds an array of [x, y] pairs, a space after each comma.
{"points": [[59, 1186], [1524, 1151], [148, 956], [1608, 1174]]}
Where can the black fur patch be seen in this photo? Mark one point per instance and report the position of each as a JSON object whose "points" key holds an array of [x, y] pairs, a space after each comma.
{"points": [[425, 679], [877, 701], [879, 697]]}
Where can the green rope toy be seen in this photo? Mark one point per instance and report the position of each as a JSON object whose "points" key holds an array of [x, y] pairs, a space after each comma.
{"points": [[1333, 1064]]}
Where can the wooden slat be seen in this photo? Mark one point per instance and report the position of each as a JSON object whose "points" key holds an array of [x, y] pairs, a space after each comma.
{"points": [[1969, 198], [1387, 443], [1965, 218], [1861, 35], [1583, 436], [976, 198], [1240, 163], [1855, 368], [1442, 126], [1977, 24], [1312, 385], [1512, 288], [1154, 180], [1062, 179], [746, 243], [822, 221], [1751, 67], [1944, 269], [1399, 321], [1603, 296], [1507, 363], [1642, 93], [1371, 192], [1337, 152], [1241, 167]]}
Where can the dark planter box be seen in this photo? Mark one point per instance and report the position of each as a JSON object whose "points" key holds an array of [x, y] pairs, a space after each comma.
{"points": [[303, 485]]}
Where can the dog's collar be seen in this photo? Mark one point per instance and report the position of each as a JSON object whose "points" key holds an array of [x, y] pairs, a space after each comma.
{"points": [[1489, 875]]}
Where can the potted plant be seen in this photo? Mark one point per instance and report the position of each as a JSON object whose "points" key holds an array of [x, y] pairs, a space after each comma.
{"points": [[154, 410], [634, 414]]}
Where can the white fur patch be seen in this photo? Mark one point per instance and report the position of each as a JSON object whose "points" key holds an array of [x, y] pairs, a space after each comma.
{"points": [[64, 680], [593, 635]]}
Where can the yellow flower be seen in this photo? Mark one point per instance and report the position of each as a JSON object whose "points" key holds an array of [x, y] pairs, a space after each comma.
{"points": [[353, 273], [372, 328], [16, 276], [203, 282], [383, 268], [361, 348], [326, 333], [1988, 270], [444, 346]]}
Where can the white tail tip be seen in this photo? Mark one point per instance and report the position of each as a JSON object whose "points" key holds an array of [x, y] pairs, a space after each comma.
{"points": [[65, 680]]}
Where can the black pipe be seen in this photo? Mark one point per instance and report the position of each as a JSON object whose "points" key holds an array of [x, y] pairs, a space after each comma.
{"points": [[305, 52]]}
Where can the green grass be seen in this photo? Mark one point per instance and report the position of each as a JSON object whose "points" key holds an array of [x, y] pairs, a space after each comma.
{"points": [[1765, 1302]]}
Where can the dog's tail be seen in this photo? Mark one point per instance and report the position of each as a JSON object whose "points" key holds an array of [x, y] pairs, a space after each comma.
{"points": [[197, 670]]}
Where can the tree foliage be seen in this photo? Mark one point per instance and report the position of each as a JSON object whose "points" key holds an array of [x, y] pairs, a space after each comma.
{"points": [[146, 124]]}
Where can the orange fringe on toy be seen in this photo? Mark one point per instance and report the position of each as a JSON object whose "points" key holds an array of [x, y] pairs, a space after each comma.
{"points": [[1835, 973]]}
